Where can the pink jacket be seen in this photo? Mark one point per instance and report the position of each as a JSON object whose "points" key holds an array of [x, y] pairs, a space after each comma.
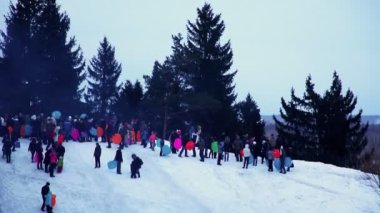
{"points": [[152, 138], [53, 158]]}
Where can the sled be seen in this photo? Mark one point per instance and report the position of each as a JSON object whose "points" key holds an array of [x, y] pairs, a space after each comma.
{"points": [[276, 153], [53, 200], [93, 132], [190, 145], [177, 143], [112, 164], [116, 138], [166, 150]]}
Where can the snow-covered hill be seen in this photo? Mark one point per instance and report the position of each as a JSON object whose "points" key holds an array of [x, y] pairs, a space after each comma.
{"points": [[173, 184]]}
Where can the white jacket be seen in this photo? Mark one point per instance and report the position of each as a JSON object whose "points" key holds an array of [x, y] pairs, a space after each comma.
{"points": [[246, 151]]}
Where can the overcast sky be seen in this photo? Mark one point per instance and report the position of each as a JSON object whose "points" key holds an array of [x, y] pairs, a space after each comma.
{"points": [[276, 44]]}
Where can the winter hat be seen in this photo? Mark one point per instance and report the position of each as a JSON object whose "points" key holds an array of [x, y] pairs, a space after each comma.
{"points": [[133, 155], [34, 117], [264, 141], [254, 142], [247, 146], [47, 183]]}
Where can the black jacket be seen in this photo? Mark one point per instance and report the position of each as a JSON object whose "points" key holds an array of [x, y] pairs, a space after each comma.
{"points": [[98, 151], [136, 163], [119, 156], [45, 190], [32, 147], [60, 151]]}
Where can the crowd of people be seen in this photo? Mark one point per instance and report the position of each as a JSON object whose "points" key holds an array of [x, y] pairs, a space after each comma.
{"points": [[51, 132]]}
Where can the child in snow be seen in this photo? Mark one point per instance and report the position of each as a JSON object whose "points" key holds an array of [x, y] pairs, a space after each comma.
{"points": [[97, 153], [282, 160], [247, 154], [220, 151], [32, 147], [119, 160], [152, 139], [270, 160], [53, 162], [227, 145], [60, 165], [40, 155], [135, 166]]}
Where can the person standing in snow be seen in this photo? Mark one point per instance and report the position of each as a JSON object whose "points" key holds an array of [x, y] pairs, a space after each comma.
{"points": [[255, 152], [7, 149], [97, 153], [152, 139], [282, 160], [270, 158], [32, 147], [119, 160], [135, 166], [47, 160], [201, 146], [226, 148], [220, 151], [53, 162], [247, 154], [264, 150], [44, 192], [60, 151], [237, 146], [40, 155]]}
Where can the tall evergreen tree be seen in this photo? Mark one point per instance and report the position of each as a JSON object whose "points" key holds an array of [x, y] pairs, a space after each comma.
{"points": [[103, 73], [59, 63], [323, 128], [129, 100], [343, 137], [38, 57], [208, 69], [15, 46], [250, 119], [297, 127]]}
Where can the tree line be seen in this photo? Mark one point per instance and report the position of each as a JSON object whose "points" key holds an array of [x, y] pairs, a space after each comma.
{"points": [[42, 69]]}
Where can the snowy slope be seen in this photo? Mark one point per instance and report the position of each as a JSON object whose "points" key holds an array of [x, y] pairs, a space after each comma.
{"points": [[173, 184]]}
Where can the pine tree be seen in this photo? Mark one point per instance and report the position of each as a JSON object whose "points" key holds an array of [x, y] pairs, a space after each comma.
{"points": [[60, 63], [343, 136], [296, 127], [38, 57], [129, 100], [208, 69], [323, 128], [15, 45], [103, 73], [250, 119]]}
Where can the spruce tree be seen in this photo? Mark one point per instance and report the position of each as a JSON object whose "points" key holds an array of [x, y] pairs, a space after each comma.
{"points": [[103, 74], [15, 45], [60, 63], [343, 137], [208, 69], [250, 119], [129, 100], [38, 57], [323, 128]]}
